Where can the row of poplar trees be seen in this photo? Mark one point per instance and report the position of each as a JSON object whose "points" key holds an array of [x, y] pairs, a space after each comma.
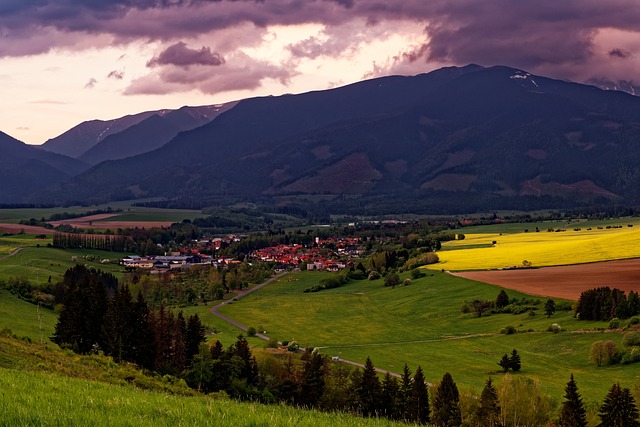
{"points": [[97, 315]]}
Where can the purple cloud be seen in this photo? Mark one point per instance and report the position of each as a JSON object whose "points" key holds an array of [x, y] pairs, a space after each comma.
{"points": [[550, 37], [91, 83], [116, 74], [180, 55], [619, 53]]}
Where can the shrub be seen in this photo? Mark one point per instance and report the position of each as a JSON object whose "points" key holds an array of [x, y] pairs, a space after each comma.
{"points": [[417, 273], [374, 275], [272, 343], [614, 323], [632, 356], [465, 308], [508, 330], [631, 339], [251, 331], [555, 328], [407, 281], [633, 321]]}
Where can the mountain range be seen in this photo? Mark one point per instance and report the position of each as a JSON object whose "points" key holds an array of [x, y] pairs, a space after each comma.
{"points": [[456, 139]]}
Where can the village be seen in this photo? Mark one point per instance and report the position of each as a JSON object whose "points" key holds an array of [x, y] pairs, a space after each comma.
{"points": [[331, 254]]}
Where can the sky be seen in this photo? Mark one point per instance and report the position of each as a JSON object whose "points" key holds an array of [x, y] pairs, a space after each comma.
{"points": [[67, 61]]}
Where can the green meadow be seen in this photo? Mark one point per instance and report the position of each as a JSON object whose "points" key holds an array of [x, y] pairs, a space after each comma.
{"points": [[25, 319], [36, 264], [422, 324], [31, 398]]}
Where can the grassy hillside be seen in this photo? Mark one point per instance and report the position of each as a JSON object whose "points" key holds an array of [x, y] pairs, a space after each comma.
{"points": [[45, 386], [22, 318], [37, 264], [422, 324]]}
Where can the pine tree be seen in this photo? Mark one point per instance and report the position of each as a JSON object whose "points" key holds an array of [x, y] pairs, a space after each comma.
{"points": [[390, 394], [619, 409], [420, 398], [370, 391], [549, 307], [573, 413], [313, 383], [514, 361], [502, 300], [504, 363], [194, 337], [405, 403], [446, 404], [489, 411]]}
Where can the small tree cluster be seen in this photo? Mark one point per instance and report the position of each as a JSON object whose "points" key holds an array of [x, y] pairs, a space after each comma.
{"points": [[510, 362], [605, 304]]}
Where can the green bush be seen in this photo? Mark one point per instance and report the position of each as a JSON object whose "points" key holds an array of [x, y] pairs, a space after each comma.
{"points": [[555, 328], [631, 339], [615, 323], [374, 275], [508, 330], [631, 356], [251, 331]]}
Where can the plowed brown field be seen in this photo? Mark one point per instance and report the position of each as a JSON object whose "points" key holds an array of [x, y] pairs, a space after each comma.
{"points": [[566, 281]]}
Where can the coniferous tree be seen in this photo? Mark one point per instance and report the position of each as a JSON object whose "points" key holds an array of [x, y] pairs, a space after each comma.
{"points": [[573, 413], [193, 338], [390, 394], [619, 409], [446, 404], [502, 300], [514, 361], [489, 410], [549, 307], [313, 382], [118, 326], [504, 363], [405, 396], [143, 350], [420, 400], [370, 391]]}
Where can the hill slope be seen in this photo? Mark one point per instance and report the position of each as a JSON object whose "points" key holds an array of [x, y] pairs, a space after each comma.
{"points": [[25, 169], [455, 139]]}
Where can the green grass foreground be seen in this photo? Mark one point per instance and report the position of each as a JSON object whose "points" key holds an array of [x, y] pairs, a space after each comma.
{"points": [[30, 398], [422, 324]]}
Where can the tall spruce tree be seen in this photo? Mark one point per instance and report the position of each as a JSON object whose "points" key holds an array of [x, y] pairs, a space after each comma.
{"points": [[514, 361], [573, 413], [488, 413], [405, 403], [194, 337], [549, 307], [390, 394], [420, 398], [370, 391], [446, 404], [502, 300], [619, 409], [313, 383]]}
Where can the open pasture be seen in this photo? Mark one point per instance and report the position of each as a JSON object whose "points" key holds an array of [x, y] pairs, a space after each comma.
{"points": [[8, 244], [422, 324], [37, 264], [543, 248], [22, 318]]}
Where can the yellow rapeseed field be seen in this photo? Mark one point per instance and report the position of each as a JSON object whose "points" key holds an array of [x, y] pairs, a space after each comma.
{"points": [[540, 249]]}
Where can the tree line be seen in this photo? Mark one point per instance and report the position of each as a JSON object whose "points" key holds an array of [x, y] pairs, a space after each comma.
{"points": [[604, 304], [97, 315]]}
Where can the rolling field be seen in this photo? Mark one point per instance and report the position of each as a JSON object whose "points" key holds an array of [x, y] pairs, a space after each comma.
{"points": [[37, 264], [22, 318], [422, 324], [9, 244], [476, 251]]}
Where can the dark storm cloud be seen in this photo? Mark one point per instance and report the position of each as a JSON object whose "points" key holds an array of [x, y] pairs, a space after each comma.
{"points": [[543, 36], [179, 54], [619, 53]]}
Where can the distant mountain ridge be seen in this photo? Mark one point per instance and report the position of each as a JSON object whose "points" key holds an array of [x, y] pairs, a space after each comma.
{"points": [[96, 140], [456, 139], [26, 169]]}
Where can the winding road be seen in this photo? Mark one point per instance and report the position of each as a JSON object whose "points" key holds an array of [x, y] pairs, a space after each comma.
{"points": [[15, 252]]}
